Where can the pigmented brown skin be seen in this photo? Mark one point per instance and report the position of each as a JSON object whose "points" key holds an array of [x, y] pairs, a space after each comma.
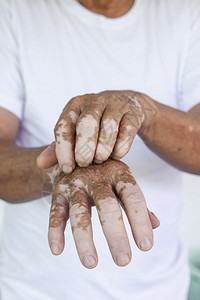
{"points": [[98, 174], [170, 133], [17, 183], [175, 137], [96, 186], [111, 117], [110, 9]]}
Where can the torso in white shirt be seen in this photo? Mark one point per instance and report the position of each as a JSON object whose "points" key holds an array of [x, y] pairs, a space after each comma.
{"points": [[66, 50]]}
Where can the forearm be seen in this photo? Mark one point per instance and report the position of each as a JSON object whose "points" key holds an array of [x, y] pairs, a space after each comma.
{"points": [[174, 136], [20, 178]]}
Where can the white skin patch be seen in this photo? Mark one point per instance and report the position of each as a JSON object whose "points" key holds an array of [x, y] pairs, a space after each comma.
{"points": [[74, 116], [123, 147], [87, 127], [78, 183], [120, 185], [130, 189], [64, 151], [84, 150], [60, 131], [108, 205], [135, 101], [110, 127], [129, 127], [103, 151], [77, 212], [137, 105], [191, 128], [61, 208], [63, 123], [67, 191], [64, 148], [64, 190], [63, 187], [55, 172]]}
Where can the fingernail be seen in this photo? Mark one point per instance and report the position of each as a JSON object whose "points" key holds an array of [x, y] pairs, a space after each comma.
{"points": [[89, 261], [145, 244], [67, 169], [55, 248], [123, 259]]}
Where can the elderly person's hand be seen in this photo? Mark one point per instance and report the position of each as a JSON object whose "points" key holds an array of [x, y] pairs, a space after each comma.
{"points": [[100, 185], [94, 127]]}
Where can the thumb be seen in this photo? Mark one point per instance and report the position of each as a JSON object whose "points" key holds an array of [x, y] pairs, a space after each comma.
{"points": [[47, 157]]}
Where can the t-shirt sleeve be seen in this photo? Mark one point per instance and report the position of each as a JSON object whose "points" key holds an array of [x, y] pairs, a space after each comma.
{"points": [[189, 95], [11, 85]]}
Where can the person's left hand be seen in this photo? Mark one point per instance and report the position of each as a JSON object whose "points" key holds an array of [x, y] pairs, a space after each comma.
{"points": [[94, 127], [100, 185]]}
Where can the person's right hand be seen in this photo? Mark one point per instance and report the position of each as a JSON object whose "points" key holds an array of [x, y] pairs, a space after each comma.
{"points": [[94, 127], [100, 185]]}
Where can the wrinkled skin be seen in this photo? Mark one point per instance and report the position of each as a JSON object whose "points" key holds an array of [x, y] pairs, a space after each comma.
{"points": [[94, 127], [100, 185]]}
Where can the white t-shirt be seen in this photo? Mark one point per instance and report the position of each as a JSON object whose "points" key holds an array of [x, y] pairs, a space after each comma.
{"points": [[52, 50]]}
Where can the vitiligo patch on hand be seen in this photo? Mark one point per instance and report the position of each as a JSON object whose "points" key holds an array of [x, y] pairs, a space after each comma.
{"points": [[55, 171], [96, 126], [86, 134], [64, 145], [86, 180], [75, 193], [74, 116]]}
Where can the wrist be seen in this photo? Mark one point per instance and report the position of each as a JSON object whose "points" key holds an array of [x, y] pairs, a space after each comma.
{"points": [[48, 177], [150, 111]]}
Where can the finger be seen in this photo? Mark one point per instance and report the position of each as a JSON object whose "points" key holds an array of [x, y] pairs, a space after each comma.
{"points": [[154, 220], [108, 134], [86, 135], [111, 219], [155, 223], [47, 157], [136, 210], [57, 223], [65, 137], [127, 131], [82, 229]]}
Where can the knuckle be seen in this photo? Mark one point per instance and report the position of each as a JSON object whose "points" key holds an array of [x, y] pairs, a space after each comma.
{"points": [[136, 200], [58, 210], [60, 125], [58, 214], [77, 210], [71, 102], [108, 206], [85, 124], [55, 222]]}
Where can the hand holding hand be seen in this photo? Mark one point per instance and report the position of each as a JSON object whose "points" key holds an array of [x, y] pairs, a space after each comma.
{"points": [[94, 127]]}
